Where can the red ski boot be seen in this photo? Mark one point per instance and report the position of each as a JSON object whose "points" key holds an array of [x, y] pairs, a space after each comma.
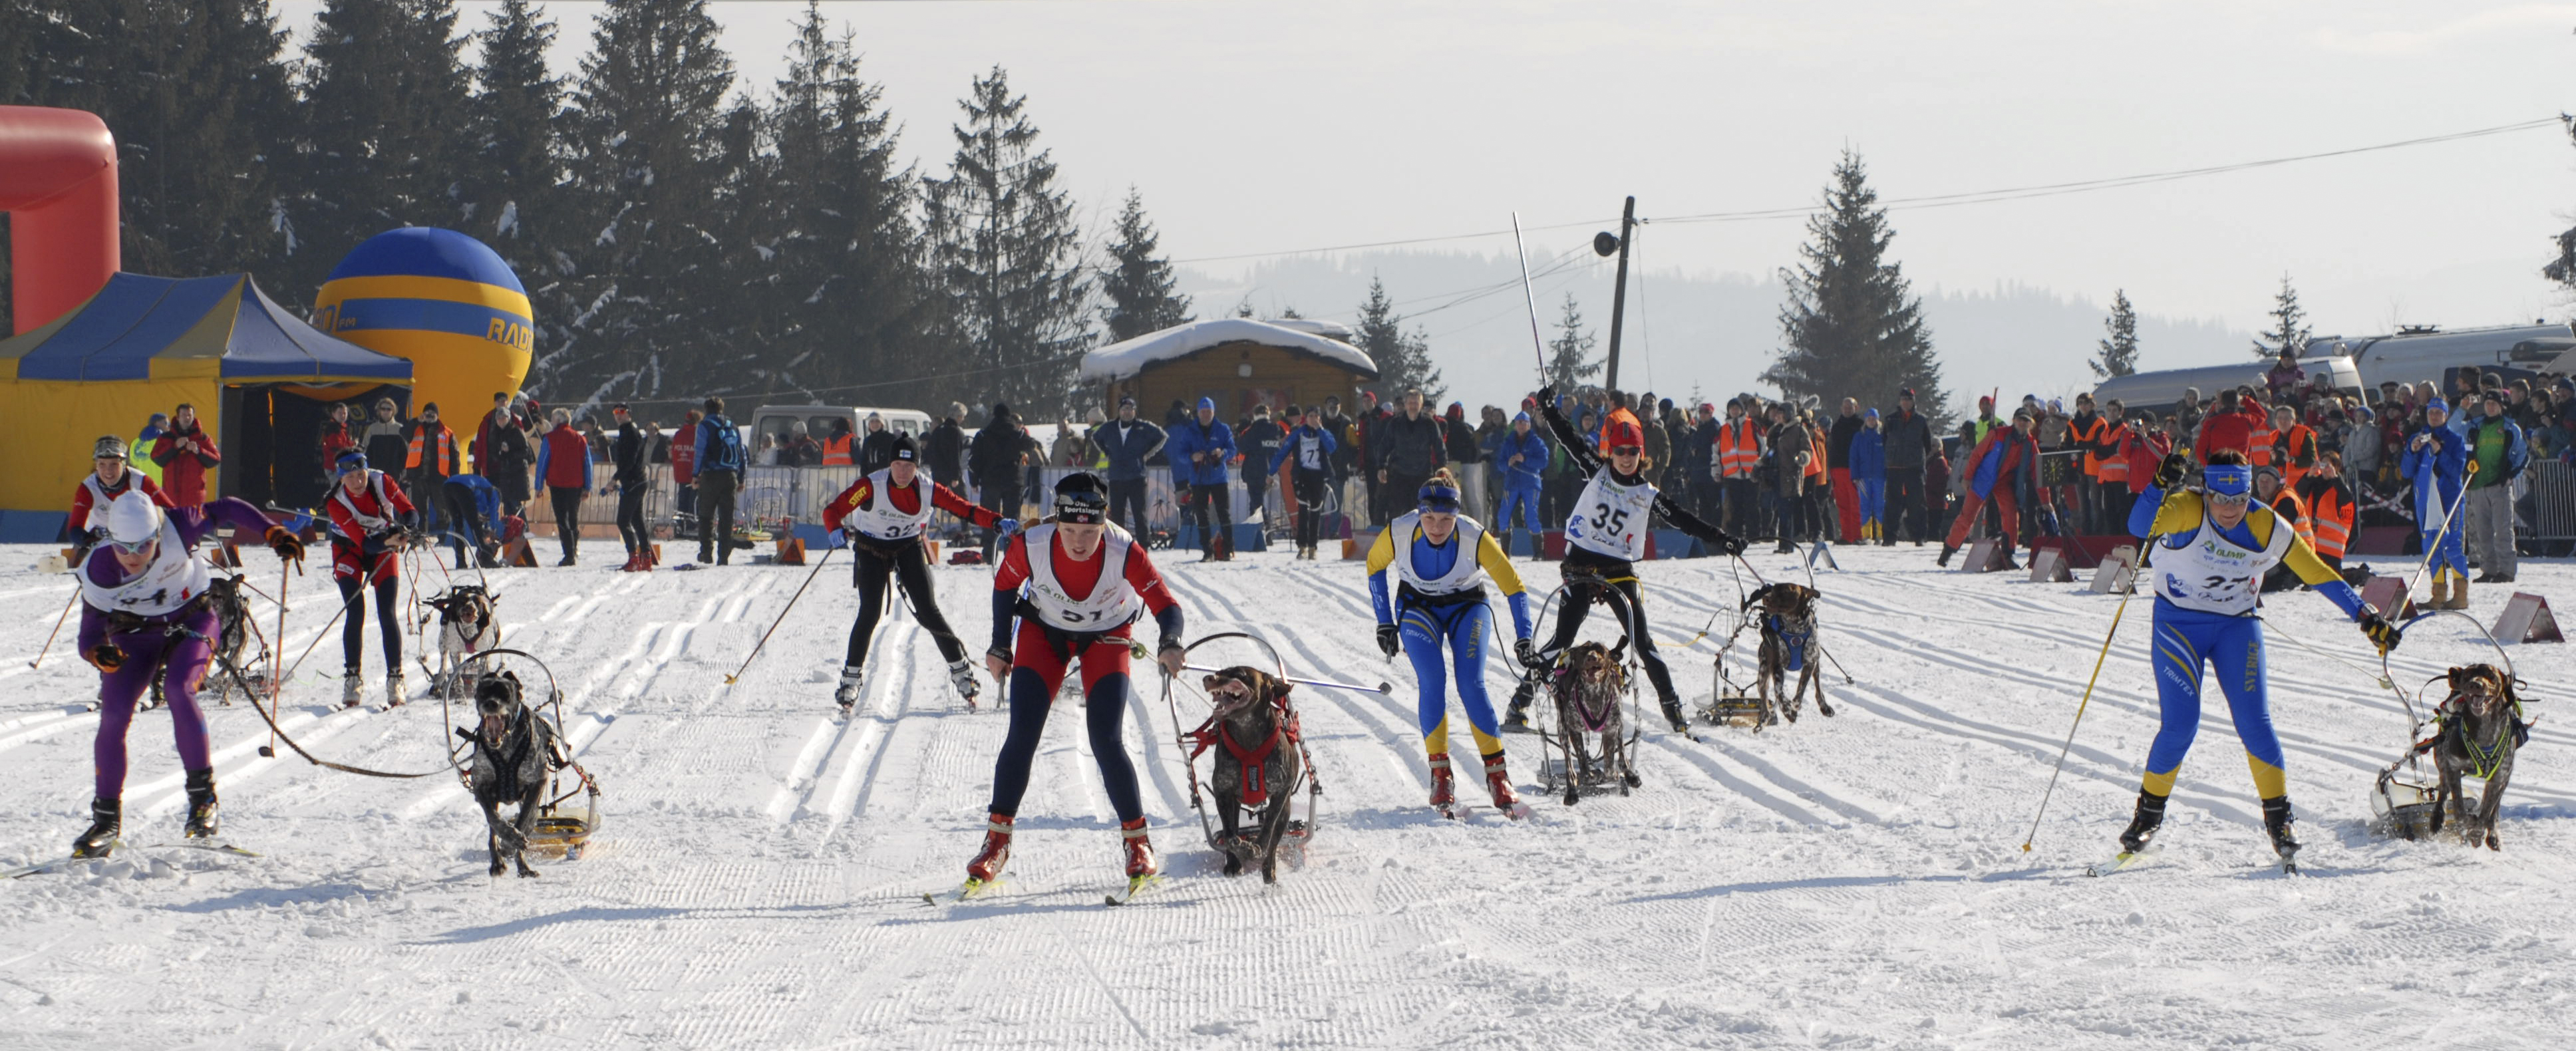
{"points": [[1499, 781], [986, 869], [1444, 791], [1143, 869]]}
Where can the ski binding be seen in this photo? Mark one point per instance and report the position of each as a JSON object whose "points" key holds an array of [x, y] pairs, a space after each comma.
{"points": [[974, 888], [1136, 885]]}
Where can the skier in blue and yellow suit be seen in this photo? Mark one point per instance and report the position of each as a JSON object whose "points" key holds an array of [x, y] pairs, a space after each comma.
{"points": [[2210, 550], [1439, 601]]}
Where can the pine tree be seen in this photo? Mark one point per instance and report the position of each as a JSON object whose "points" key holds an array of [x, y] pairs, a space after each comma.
{"points": [[1852, 325], [2563, 268], [197, 97], [642, 206], [379, 145], [2289, 329], [1569, 355], [1403, 358], [826, 235], [2119, 350], [514, 141], [1005, 248], [1138, 284]]}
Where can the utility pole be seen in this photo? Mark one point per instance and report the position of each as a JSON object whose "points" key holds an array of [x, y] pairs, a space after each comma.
{"points": [[1618, 297]]}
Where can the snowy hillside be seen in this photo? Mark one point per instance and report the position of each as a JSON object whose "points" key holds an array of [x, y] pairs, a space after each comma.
{"points": [[1847, 882]]}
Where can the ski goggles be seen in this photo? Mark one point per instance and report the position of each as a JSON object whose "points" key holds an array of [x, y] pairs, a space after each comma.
{"points": [[1440, 498], [137, 547]]}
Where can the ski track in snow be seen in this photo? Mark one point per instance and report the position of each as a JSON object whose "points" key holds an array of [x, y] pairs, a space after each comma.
{"points": [[1854, 881]]}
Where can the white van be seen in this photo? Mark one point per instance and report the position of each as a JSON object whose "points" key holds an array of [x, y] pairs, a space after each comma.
{"points": [[2416, 355], [778, 421], [2158, 392]]}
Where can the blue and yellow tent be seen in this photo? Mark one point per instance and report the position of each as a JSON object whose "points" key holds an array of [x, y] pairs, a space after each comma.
{"points": [[143, 345]]}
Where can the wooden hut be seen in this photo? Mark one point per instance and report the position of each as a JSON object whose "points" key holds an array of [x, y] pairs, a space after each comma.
{"points": [[1238, 362]]}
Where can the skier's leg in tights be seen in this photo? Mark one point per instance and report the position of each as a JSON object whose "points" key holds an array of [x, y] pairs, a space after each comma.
{"points": [[353, 621], [912, 573], [868, 571], [1421, 636], [389, 620], [1106, 695], [1467, 633], [1035, 674], [1625, 605]]}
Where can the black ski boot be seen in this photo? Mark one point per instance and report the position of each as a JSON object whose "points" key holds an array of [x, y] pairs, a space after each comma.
{"points": [[105, 821], [2276, 824], [1517, 719], [2151, 813], [203, 819], [1946, 552], [1673, 714]]}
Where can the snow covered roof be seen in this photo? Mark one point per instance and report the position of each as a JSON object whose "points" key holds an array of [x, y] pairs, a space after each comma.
{"points": [[1126, 358], [1314, 327]]}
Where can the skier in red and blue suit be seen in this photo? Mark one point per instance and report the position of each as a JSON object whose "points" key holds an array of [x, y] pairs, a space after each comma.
{"points": [[371, 521]]}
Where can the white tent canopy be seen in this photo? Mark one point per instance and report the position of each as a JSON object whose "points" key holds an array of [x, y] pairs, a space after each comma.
{"points": [[1126, 358]]}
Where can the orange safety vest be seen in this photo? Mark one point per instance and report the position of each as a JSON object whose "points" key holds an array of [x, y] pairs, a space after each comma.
{"points": [[1739, 449], [2258, 439], [2292, 441], [836, 451], [2297, 513], [1816, 459], [2115, 468], [438, 456], [2086, 437], [2333, 517]]}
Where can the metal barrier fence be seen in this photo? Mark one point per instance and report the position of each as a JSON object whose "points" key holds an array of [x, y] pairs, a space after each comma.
{"points": [[2552, 497]]}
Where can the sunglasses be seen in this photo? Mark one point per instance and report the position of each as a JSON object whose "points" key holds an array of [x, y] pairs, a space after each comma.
{"points": [[136, 548], [2224, 500]]}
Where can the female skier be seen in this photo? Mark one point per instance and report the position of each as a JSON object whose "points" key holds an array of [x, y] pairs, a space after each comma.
{"points": [[1440, 559], [1087, 581], [1604, 537], [2210, 549], [143, 611], [880, 517], [371, 521]]}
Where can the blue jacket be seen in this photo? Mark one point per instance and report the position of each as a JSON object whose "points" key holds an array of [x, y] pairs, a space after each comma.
{"points": [[1533, 454], [487, 500], [1868, 459], [1297, 440], [1192, 438], [1127, 455], [2436, 470], [719, 446]]}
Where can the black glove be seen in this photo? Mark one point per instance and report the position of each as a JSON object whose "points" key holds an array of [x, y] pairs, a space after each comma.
{"points": [[2170, 472], [1526, 652], [1730, 543], [1547, 396], [106, 657], [2378, 630], [1388, 640], [289, 548]]}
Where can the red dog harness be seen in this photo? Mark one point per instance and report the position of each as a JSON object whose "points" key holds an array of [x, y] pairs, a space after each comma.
{"points": [[1255, 788]]}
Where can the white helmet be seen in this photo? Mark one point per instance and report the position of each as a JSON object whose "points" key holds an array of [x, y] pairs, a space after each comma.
{"points": [[132, 518]]}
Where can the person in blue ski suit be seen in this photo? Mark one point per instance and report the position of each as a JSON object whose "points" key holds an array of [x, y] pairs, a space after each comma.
{"points": [[2208, 551], [1522, 456], [1200, 448], [1440, 559], [2437, 462], [1868, 460], [473, 517]]}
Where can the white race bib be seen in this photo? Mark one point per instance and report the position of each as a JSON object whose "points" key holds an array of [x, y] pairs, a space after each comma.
{"points": [[1464, 571], [1610, 518], [175, 576], [2204, 571], [1112, 602]]}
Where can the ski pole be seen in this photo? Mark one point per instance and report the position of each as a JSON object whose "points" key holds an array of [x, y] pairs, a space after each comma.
{"points": [[782, 615], [2434, 550], [2080, 705], [68, 601], [1538, 344], [1321, 683]]}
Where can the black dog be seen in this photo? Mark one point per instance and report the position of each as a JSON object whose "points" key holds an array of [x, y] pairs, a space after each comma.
{"points": [[1788, 620], [514, 761], [1254, 734], [465, 628], [2481, 729]]}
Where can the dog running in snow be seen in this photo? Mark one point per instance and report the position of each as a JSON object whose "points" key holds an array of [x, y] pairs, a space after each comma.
{"points": [[1254, 735], [515, 758], [2481, 728], [1588, 683], [1788, 621], [465, 628]]}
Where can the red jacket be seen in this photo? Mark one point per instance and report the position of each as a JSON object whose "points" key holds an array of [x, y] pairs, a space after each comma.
{"points": [[567, 458], [684, 455], [78, 523], [183, 471], [2224, 430]]}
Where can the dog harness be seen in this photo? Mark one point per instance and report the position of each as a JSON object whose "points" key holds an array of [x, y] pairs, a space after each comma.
{"points": [[1610, 518], [1795, 642], [1254, 788], [2483, 761], [174, 579]]}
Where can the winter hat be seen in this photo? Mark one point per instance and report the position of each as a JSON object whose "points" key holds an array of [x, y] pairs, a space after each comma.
{"points": [[110, 445], [1985, 402], [1621, 434], [906, 449], [1436, 496], [2437, 405], [131, 519], [1081, 497], [1126, 399], [1207, 404], [1909, 392], [1520, 417], [1870, 414]]}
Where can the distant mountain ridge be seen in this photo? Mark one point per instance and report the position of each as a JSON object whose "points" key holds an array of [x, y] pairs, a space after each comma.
{"points": [[1713, 332]]}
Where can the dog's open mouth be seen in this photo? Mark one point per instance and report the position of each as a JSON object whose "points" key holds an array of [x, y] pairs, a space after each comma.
{"points": [[494, 726]]}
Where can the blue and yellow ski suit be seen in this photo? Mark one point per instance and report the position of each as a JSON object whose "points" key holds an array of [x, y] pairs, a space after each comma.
{"points": [[1446, 607], [2206, 581]]}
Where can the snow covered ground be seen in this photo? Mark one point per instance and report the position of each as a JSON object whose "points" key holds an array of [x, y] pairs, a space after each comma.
{"points": [[1852, 882]]}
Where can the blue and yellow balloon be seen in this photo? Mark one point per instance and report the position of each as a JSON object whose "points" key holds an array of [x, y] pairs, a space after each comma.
{"points": [[445, 302]]}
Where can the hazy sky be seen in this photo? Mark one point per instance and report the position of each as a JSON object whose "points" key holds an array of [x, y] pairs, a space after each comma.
{"points": [[1262, 127]]}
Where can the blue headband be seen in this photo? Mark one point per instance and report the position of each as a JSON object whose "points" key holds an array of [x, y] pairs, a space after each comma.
{"points": [[1439, 498], [2227, 479]]}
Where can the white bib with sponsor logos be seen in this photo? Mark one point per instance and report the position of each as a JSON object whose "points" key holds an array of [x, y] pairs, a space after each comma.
{"points": [[1112, 602], [175, 576], [2204, 571], [880, 518], [1464, 571], [1610, 519]]}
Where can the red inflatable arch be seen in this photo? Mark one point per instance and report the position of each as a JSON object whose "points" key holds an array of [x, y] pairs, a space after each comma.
{"points": [[58, 184]]}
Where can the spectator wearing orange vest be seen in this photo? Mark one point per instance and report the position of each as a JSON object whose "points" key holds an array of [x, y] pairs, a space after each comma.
{"points": [[836, 448], [2269, 489], [1820, 493], [2091, 433], [2331, 507], [430, 457], [1738, 458], [2294, 446]]}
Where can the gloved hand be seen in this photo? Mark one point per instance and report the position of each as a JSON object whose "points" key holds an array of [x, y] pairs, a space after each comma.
{"points": [[2378, 630], [105, 657], [2170, 472], [1006, 529], [836, 538], [288, 547], [1526, 652], [608, 490], [1388, 640], [1547, 396], [1730, 543]]}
